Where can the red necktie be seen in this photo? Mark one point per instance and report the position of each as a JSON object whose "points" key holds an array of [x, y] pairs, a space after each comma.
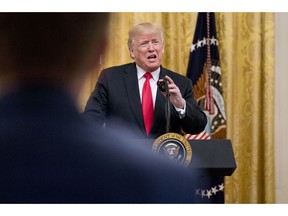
{"points": [[147, 103]]}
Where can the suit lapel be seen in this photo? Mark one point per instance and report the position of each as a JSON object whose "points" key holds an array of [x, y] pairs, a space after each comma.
{"points": [[132, 88]]}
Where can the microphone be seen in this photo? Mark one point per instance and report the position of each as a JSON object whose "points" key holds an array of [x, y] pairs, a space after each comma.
{"points": [[163, 87]]}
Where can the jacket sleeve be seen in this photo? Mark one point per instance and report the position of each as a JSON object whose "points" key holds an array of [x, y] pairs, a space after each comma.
{"points": [[96, 109], [195, 119]]}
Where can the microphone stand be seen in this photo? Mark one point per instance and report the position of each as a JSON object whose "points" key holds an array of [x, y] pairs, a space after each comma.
{"points": [[167, 107]]}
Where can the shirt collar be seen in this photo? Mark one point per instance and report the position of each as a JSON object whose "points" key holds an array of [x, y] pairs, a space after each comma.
{"points": [[140, 73]]}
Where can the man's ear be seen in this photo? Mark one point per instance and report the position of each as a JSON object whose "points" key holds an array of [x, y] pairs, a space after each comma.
{"points": [[132, 55]]}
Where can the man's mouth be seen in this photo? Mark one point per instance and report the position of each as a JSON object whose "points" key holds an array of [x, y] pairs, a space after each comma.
{"points": [[152, 57]]}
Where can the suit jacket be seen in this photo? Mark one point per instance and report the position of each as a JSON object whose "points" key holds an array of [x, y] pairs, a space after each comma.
{"points": [[49, 154], [116, 98]]}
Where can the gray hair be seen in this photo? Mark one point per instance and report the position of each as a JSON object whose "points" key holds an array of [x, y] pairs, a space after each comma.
{"points": [[144, 28]]}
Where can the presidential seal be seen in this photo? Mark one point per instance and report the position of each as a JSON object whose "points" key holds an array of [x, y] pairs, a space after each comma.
{"points": [[173, 146]]}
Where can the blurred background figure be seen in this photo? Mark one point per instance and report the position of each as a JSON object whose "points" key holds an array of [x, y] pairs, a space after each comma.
{"points": [[48, 153]]}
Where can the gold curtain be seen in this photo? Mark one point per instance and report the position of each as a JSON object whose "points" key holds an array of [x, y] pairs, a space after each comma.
{"points": [[246, 47]]}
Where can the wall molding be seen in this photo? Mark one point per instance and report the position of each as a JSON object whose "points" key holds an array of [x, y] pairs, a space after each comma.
{"points": [[281, 107]]}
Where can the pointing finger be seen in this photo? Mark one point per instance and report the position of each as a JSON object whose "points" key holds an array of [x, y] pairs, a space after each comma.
{"points": [[169, 79]]}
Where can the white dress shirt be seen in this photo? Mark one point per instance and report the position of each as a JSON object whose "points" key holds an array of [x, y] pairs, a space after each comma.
{"points": [[153, 82]]}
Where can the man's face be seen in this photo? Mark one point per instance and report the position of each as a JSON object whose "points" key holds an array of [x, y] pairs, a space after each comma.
{"points": [[147, 51]]}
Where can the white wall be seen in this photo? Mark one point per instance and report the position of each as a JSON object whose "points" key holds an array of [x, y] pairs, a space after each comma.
{"points": [[281, 107]]}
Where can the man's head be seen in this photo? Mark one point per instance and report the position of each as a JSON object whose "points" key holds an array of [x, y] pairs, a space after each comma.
{"points": [[146, 45], [50, 48]]}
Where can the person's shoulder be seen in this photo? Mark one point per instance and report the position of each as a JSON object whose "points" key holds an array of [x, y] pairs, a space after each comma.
{"points": [[118, 68], [116, 72]]}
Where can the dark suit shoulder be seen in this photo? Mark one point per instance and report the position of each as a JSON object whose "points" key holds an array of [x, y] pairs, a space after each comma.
{"points": [[118, 68], [114, 74]]}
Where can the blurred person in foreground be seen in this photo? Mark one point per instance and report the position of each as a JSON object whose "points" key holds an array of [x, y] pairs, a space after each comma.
{"points": [[119, 92], [48, 153]]}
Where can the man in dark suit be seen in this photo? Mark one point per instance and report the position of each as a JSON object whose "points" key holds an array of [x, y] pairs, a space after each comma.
{"points": [[48, 153], [118, 93]]}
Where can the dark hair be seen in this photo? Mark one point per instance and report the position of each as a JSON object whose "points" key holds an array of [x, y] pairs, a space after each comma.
{"points": [[36, 44]]}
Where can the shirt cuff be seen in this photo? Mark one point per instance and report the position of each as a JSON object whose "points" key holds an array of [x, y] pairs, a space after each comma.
{"points": [[181, 112]]}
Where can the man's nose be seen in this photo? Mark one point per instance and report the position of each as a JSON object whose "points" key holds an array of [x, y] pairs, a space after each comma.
{"points": [[151, 46]]}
